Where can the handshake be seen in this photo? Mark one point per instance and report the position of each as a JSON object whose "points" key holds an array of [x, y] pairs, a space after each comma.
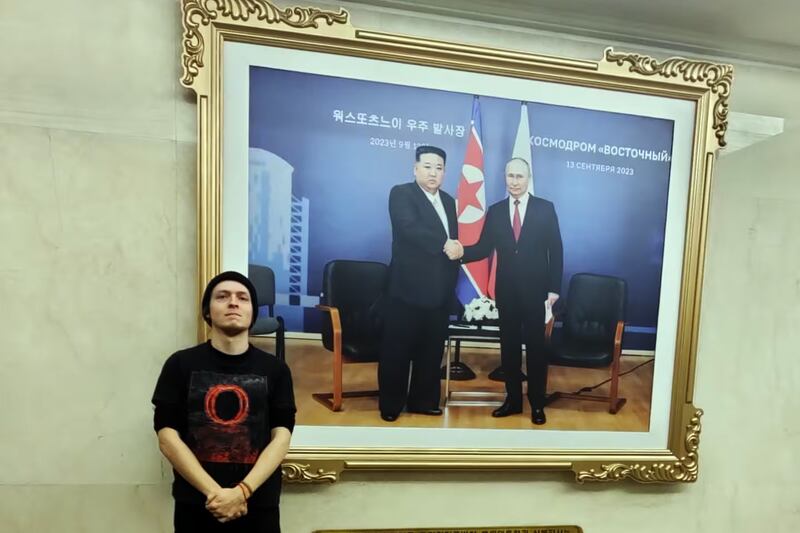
{"points": [[453, 249]]}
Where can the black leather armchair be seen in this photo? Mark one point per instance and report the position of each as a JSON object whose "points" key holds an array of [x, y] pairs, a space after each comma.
{"points": [[591, 336], [263, 279], [353, 300]]}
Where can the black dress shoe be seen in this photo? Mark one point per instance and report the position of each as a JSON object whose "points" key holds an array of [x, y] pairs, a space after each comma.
{"points": [[430, 412], [537, 416], [507, 409], [388, 417]]}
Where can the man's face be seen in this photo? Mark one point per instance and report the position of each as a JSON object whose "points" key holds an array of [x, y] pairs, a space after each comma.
{"points": [[429, 172], [230, 308], [517, 178]]}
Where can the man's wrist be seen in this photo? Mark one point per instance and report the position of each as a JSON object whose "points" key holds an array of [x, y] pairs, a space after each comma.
{"points": [[246, 488], [211, 490]]}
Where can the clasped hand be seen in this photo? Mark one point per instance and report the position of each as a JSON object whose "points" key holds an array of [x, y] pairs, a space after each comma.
{"points": [[227, 504], [453, 249]]}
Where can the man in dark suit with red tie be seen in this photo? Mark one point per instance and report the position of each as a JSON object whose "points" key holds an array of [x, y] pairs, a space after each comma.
{"points": [[524, 231], [422, 282]]}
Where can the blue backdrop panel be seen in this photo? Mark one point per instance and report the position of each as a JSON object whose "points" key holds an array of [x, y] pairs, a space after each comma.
{"points": [[325, 151]]}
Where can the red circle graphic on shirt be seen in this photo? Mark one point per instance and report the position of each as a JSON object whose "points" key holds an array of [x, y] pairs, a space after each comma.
{"points": [[211, 404]]}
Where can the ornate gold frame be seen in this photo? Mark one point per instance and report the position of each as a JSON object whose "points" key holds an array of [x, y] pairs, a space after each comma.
{"points": [[208, 24]]}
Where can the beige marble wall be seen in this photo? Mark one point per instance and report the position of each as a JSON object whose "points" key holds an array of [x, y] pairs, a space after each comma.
{"points": [[97, 272]]}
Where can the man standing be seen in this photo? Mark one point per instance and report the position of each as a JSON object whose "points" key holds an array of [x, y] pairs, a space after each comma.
{"points": [[421, 287], [524, 231], [224, 412]]}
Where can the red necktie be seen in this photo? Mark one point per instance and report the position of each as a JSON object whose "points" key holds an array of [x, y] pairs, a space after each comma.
{"points": [[517, 225]]}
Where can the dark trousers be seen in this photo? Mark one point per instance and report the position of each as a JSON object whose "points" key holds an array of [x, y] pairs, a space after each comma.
{"points": [[194, 518], [523, 322], [412, 335]]}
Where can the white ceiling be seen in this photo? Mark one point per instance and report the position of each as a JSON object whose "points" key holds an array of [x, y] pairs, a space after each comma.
{"points": [[758, 30]]}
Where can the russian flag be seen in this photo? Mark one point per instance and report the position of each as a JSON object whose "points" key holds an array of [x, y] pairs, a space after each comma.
{"points": [[522, 143], [471, 211]]}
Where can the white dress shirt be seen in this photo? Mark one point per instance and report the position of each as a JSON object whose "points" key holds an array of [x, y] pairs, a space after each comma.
{"points": [[436, 200]]}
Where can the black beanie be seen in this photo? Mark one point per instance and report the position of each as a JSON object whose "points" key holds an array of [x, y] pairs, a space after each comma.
{"points": [[230, 275]]}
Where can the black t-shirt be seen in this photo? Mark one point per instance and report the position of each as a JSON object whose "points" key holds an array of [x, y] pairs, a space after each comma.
{"points": [[224, 408]]}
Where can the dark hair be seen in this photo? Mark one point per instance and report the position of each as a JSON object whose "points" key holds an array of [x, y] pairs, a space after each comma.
{"points": [[425, 149]]}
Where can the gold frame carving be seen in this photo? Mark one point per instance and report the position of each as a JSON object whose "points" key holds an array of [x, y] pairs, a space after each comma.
{"points": [[208, 24], [305, 473], [717, 77]]}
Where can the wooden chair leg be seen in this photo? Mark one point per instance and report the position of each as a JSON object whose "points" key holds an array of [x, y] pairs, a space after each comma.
{"points": [[333, 400], [326, 398], [337, 370], [614, 402]]}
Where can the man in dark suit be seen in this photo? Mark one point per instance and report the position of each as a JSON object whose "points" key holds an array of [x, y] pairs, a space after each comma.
{"points": [[524, 231], [421, 286]]}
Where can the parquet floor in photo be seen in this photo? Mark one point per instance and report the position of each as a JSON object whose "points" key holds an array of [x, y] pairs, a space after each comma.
{"points": [[312, 372]]}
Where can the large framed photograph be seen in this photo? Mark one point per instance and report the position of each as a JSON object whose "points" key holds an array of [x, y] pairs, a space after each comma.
{"points": [[311, 131]]}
